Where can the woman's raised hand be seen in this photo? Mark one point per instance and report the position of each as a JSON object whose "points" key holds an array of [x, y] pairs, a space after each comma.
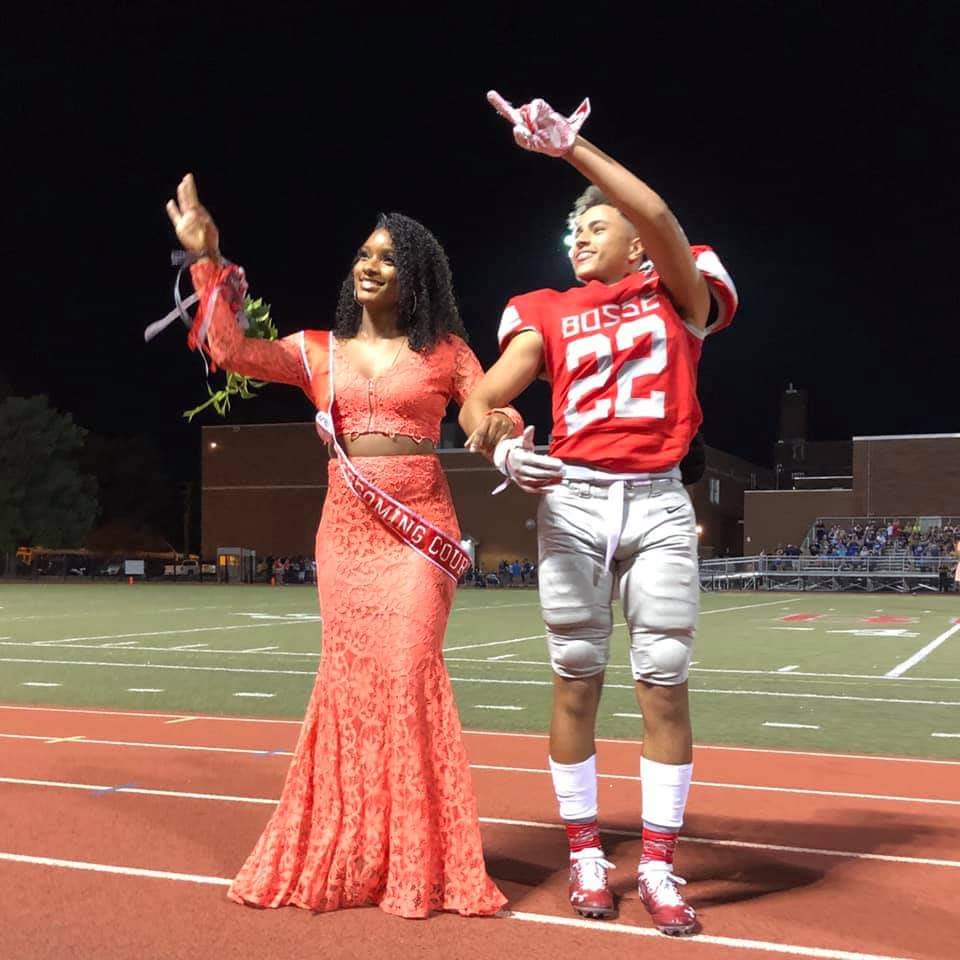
{"points": [[195, 228]]}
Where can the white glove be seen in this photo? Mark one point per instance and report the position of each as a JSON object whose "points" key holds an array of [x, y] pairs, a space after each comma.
{"points": [[538, 127], [514, 458]]}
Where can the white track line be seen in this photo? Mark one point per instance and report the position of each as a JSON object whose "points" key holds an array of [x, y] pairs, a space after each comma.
{"points": [[753, 788], [746, 844], [503, 822], [742, 786], [605, 926], [108, 868], [923, 652], [819, 754], [90, 741], [764, 946]]}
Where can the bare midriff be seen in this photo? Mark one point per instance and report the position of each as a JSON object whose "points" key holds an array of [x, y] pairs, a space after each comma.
{"points": [[381, 445]]}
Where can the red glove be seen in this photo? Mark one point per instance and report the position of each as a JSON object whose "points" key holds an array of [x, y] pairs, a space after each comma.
{"points": [[538, 127]]}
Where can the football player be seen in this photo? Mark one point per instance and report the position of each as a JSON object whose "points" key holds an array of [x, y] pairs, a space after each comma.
{"points": [[620, 351]]}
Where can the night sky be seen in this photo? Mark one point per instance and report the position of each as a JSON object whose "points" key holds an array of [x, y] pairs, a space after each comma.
{"points": [[814, 146]]}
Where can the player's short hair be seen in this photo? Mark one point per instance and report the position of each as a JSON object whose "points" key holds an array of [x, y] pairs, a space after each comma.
{"points": [[593, 196]]}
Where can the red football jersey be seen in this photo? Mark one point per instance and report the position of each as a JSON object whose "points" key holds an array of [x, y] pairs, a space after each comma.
{"points": [[622, 366]]}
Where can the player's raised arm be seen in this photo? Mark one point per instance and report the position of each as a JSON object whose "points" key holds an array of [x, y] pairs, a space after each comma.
{"points": [[539, 128]]}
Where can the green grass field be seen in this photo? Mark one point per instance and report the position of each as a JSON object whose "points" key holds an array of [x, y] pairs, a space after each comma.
{"points": [[818, 662]]}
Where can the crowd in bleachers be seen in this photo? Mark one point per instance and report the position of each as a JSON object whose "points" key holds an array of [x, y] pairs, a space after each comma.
{"points": [[509, 573], [908, 540]]}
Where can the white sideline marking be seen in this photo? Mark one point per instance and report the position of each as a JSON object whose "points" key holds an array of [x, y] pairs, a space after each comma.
{"points": [[494, 643], [159, 666], [39, 683], [167, 633], [792, 726], [945, 734], [731, 693], [264, 695], [144, 690], [493, 706], [819, 754], [923, 652], [266, 651], [749, 606], [500, 821], [816, 953], [789, 669], [873, 677]]}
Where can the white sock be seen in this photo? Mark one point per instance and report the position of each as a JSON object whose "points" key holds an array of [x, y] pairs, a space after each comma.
{"points": [[575, 785], [664, 788]]}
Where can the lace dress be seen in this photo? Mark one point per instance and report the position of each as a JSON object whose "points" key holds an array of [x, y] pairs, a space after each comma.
{"points": [[378, 805]]}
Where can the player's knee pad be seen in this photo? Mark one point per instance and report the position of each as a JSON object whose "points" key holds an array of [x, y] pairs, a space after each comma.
{"points": [[578, 639], [661, 658]]}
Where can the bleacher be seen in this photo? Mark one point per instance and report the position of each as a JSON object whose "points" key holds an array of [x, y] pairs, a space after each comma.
{"points": [[870, 554]]}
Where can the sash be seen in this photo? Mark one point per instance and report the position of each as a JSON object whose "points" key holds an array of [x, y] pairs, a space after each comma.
{"points": [[419, 534]]}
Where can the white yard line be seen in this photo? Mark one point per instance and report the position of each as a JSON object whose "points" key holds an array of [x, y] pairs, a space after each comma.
{"points": [[265, 696], [750, 606], [38, 683], [923, 652], [500, 821], [493, 706], [494, 643], [945, 734], [167, 633], [792, 726]]}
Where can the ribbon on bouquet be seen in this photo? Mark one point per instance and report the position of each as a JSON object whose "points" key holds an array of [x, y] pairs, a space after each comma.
{"points": [[419, 534]]}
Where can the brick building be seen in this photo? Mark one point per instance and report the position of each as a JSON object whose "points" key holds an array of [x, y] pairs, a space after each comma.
{"points": [[264, 487]]}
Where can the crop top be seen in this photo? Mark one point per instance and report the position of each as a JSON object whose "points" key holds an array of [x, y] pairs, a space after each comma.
{"points": [[410, 399]]}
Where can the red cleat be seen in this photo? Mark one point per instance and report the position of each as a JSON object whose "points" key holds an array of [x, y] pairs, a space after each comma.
{"points": [[589, 894], [671, 914]]}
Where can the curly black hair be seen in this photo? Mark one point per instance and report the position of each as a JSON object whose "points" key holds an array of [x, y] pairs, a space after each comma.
{"points": [[427, 307]]}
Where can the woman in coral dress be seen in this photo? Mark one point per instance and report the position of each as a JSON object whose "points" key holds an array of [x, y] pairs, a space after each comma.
{"points": [[378, 806]]}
